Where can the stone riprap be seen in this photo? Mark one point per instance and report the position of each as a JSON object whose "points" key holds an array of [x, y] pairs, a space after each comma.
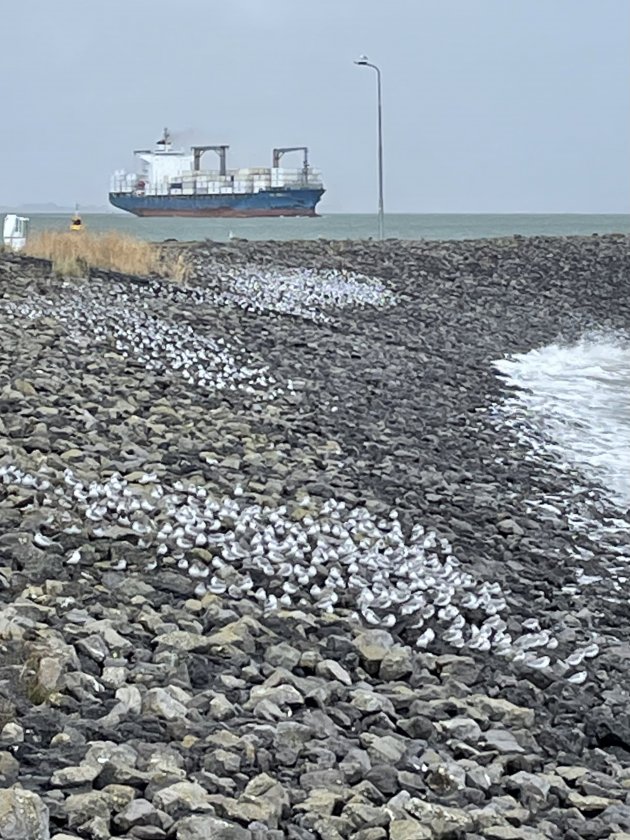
{"points": [[274, 563]]}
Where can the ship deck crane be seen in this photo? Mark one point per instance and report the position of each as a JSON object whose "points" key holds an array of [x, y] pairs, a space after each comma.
{"points": [[277, 155], [220, 150]]}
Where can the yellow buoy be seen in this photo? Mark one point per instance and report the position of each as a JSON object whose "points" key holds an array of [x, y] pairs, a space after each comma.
{"points": [[76, 224]]}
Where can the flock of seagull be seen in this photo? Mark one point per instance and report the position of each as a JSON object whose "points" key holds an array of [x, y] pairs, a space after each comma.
{"points": [[112, 316], [306, 293], [322, 556], [302, 292], [325, 557], [125, 316]]}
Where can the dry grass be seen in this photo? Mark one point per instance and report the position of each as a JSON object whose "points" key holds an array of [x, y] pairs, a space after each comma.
{"points": [[74, 253]]}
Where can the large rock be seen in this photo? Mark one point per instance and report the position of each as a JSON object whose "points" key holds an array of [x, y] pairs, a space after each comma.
{"points": [[332, 670], [509, 832], [384, 749], [396, 664], [409, 830], [68, 777], [280, 695], [502, 740], [23, 815], [210, 828], [283, 655], [263, 800], [141, 812], [373, 646], [50, 672], [444, 821], [182, 799], [369, 701], [532, 790], [322, 801], [589, 804], [94, 647], [221, 708], [290, 740], [129, 702], [462, 728], [183, 640], [496, 708], [222, 762], [116, 763], [366, 816], [238, 634], [82, 807], [165, 703], [9, 769]]}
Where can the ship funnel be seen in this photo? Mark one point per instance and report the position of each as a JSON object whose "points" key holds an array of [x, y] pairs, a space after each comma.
{"points": [[165, 140]]}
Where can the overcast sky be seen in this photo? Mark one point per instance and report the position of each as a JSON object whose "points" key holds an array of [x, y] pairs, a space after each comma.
{"points": [[489, 105]]}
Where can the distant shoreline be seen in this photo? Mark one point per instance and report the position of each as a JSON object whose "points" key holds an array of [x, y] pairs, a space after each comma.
{"points": [[106, 211]]}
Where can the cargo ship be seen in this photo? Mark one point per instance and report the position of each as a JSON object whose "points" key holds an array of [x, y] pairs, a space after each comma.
{"points": [[172, 182]]}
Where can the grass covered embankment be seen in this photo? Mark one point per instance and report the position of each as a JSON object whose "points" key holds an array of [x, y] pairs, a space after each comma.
{"points": [[72, 253]]}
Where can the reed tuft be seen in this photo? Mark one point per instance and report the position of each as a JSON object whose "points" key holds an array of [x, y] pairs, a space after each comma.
{"points": [[74, 253]]}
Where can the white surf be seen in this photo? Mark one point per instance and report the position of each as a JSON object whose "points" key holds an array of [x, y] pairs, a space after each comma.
{"points": [[574, 401]]}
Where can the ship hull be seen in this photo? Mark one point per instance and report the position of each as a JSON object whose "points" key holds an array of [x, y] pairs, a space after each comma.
{"points": [[301, 202]]}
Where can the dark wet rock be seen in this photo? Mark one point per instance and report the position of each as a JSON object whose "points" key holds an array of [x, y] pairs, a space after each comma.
{"points": [[384, 778]]}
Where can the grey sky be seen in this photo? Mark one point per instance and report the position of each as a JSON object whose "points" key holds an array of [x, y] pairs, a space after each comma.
{"points": [[489, 105]]}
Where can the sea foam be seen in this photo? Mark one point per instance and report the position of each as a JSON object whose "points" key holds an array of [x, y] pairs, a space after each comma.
{"points": [[574, 401]]}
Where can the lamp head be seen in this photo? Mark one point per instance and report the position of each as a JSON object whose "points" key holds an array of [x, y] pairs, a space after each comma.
{"points": [[362, 59]]}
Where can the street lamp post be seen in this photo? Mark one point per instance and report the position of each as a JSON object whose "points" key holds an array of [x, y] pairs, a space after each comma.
{"points": [[363, 62]]}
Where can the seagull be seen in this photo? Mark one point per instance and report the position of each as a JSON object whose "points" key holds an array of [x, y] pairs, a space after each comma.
{"points": [[424, 640], [74, 558]]}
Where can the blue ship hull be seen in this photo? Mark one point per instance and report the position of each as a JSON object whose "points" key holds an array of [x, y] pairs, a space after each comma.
{"points": [[274, 202]]}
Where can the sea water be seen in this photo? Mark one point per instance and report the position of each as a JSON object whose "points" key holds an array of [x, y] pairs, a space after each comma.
{"points": [[574, 400], [344, 226]]}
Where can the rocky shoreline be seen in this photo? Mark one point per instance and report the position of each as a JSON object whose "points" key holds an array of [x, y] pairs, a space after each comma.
{"points": [[272, 564]]}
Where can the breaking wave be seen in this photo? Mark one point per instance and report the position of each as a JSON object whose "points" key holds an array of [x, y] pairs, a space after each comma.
{"points": [[574, 401]]}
